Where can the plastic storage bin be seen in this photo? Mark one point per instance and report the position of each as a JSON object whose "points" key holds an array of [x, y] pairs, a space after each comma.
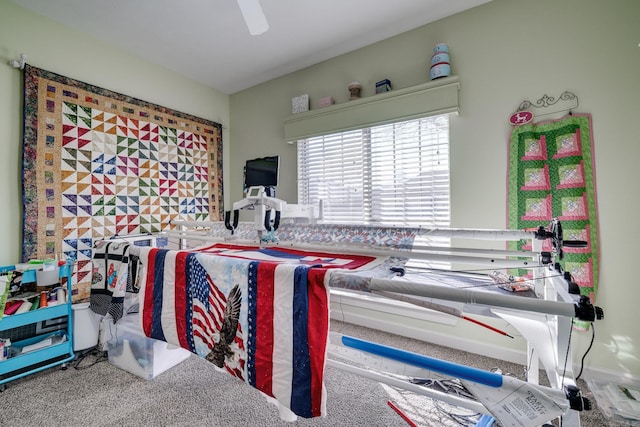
{"points": [[86, 326], [48, 277], [139, 355]]}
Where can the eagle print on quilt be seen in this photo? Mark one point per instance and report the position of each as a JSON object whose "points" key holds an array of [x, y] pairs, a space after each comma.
{"points": [[264, 322]]}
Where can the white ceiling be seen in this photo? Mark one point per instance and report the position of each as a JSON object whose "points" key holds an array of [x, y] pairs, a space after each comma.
{"points": [[208, 41]]}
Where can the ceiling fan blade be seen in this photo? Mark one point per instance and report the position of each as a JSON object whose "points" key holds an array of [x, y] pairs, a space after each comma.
{"points": [[253, 16]]}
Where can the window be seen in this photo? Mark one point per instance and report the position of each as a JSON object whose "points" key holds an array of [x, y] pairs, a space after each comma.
{"points": [[393, 175]]}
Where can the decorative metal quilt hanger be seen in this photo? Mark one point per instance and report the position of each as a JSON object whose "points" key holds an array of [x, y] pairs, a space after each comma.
{"points": [[567, 101], [546, 105]]}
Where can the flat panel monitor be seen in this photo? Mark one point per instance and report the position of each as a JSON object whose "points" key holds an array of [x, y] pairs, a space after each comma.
{"points": [[262, 171]]}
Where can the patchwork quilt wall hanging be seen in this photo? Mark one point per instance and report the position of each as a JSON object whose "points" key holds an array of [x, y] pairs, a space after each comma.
{"points": [[552, 175], [97, 163]]}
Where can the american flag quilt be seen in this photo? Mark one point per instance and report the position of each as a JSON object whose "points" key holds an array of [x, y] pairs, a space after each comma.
{"points": [[265, 320]]}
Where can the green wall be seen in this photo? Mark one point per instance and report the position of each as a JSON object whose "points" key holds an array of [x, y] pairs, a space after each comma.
{"points": [[52, 47], [504, 52]]}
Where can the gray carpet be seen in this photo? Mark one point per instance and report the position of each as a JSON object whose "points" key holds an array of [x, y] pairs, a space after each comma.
{"points": [[95, 393]]}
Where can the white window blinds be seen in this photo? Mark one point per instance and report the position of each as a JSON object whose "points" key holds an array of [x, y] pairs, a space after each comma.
{"points": [[393, 174]]}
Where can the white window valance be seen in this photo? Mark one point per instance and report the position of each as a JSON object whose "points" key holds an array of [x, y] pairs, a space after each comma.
{"points": [[428, 99]]}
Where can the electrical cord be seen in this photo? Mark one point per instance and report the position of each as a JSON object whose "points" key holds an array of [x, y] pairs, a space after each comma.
{"points": [[593, 336], [530, 360], [566, 356], [100, 356]]}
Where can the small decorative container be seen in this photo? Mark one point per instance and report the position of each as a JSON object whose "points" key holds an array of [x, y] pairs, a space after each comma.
{"points": [[440, 70], [300, 104], [383, 86], [355, 89], [439, 57], [440, 65], [441, 47], [325, 102]]}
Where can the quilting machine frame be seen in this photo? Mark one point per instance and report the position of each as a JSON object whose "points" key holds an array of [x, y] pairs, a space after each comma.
{"points": [[546, 323]]}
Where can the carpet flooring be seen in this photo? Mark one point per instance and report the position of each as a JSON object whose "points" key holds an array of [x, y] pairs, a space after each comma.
{"points": [[92, 392]]}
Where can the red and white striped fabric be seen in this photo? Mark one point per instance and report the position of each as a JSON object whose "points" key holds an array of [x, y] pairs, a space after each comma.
{"points": [[279, 344]]}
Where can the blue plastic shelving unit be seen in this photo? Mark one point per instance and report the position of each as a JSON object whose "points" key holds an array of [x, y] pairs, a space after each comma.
{"points": [[46, 357]]}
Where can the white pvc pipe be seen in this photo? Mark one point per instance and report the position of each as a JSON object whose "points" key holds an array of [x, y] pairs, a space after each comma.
{"points": [[477, 234], [473, 296], [485, 261], [493, 262], [459, 233], [196, 223], [481, 251]]}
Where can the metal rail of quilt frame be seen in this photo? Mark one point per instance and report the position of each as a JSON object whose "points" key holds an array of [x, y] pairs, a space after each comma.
{"points": [[554, 312]]}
